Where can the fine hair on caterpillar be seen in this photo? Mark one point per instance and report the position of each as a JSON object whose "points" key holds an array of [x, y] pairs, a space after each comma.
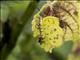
{"points": [[55, 23]]}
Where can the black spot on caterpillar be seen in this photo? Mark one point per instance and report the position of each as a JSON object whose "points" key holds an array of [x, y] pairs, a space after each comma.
{"points": [[40, 39], [62, 24]]}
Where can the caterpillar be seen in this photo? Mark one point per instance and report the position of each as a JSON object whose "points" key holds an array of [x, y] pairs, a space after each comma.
{"points": [[55, 23]]}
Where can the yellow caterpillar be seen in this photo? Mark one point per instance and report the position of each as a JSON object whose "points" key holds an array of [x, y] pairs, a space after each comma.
{"points": [[55, 23]]}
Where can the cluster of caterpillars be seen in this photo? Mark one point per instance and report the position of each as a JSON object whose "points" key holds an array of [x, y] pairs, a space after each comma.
{"points": [[65, 11]]}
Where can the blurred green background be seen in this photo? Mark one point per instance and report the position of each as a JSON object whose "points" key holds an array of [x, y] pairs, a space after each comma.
{"points": [[22, 44]]}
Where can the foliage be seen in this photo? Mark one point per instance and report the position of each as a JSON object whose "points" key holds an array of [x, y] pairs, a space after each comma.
{"points": [[23, 45]]}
